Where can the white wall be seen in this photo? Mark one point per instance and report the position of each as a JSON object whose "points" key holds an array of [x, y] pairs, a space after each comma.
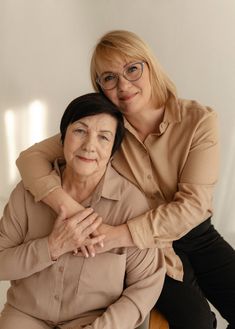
{"points": [[44, 63]]}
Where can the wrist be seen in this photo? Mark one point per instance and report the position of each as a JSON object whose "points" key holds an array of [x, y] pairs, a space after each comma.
{"points": [[60, 197], [52, 250], [126, 238]]}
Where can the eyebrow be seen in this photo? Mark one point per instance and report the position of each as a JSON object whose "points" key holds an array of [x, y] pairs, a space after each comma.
{"points": [[129, 63], [106, 131], [100, 131]]}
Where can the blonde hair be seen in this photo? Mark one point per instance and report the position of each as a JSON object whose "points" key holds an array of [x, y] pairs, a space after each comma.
{"points": [[125, 44]]}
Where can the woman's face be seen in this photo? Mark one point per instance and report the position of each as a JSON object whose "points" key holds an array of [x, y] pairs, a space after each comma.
{"points": [[131, 97], [88, 145]]}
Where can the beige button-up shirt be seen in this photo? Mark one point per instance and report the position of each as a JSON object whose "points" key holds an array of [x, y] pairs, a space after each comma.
{"points": [[115, 289], [176, 169]]}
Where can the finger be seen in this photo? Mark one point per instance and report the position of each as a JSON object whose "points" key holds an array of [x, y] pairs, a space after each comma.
{"points": [[91, 250], [75, 252], [84, 251], [82, 215], [96, 234], [79, 254], [94, 241], [87, 222], [87, 229]]}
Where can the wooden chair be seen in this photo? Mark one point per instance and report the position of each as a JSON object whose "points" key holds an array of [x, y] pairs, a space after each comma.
{"points": [[157, 320]]}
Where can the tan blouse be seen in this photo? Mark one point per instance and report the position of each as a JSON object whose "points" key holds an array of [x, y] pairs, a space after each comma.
{"points": [[115, 289], [177, 170]]}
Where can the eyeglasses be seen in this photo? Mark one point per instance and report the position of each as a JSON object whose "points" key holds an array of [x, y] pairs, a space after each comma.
{"points": [[131, 72]]}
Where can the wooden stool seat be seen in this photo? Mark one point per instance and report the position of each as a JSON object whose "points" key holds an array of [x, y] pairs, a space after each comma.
{"points": [[157, 320]]}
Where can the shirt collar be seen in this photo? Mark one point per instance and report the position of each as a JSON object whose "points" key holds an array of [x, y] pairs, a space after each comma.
{"points": [[172, 110], [109, 186], [171, 115]]}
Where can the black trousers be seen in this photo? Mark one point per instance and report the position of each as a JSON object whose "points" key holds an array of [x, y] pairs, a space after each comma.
{"points": [[209, 274]]}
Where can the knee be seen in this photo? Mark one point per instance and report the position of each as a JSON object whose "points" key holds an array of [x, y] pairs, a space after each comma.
{"points": [[196, 319]]}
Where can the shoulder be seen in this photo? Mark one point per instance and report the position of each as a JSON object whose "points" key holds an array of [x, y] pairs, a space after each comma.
{"points": [[19, 193], [21, 199], [194, 110], [16, 203]]}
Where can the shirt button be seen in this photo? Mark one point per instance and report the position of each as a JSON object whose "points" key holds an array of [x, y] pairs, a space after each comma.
{"points": [[56, 297], [149, 176], [61, 269]]}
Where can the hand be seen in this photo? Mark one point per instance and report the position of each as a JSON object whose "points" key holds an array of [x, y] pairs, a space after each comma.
{"points": [[89, 251], [115, 237], [69, 234]]}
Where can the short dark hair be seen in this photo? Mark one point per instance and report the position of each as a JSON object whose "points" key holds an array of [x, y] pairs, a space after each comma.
{"points": [[88, 105]]}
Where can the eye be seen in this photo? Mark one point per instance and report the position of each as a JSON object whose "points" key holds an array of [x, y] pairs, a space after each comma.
{"points": [[108, 77], [104, 138], [80, 131], [132, 68]]}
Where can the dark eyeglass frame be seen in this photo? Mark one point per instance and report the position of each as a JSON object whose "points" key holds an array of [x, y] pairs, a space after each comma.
{"points": [[98, 81]]}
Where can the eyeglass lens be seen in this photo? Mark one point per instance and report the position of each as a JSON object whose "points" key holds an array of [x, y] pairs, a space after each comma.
{"points": [[132, 72]]}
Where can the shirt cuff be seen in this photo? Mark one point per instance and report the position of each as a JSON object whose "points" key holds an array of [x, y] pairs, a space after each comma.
{"points": [[43, 186], [141, 232]]}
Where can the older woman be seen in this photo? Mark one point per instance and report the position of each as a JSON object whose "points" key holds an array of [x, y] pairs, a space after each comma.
{"points": [[50, 286]]}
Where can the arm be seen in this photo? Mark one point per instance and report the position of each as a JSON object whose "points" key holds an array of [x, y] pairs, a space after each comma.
{"points": [[144, 277], [13, 249], [21, 256], [35, 166], [192, 203]]}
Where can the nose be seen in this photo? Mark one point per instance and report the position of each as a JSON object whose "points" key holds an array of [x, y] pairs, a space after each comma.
{"points": [[123, 84], [89, 144]]}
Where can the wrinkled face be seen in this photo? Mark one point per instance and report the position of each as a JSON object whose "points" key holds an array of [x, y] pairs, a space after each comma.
{"points": [[131, 97], [88, 145]]}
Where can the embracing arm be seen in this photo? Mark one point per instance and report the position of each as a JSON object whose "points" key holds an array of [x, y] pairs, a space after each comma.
{"points": [[35, 166], [145, 275]]}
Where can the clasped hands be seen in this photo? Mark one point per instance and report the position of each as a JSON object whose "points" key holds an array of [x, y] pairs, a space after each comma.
{"points": [[82, 233]]}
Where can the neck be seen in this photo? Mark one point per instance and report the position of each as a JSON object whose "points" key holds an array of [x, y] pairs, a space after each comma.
{"points": [[79, 187], [147, 122]]}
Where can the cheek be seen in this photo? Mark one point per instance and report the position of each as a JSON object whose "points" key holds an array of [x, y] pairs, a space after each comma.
{"points": [[69, 147], [112, 96], [105, 154]]}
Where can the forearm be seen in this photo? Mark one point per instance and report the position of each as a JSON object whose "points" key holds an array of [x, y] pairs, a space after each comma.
{"points": [[24, 260], [123, 314], [35, 166], [115, 237], [59, 198], [171, 221]]}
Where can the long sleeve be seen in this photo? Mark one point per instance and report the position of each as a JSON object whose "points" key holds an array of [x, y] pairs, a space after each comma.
{"points": [[35, 166], [191, 204], [145, 274], [30, 256]]}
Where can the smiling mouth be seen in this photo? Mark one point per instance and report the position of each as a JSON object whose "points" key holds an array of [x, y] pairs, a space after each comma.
{"points": [[85, 159], [127, 97]]}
